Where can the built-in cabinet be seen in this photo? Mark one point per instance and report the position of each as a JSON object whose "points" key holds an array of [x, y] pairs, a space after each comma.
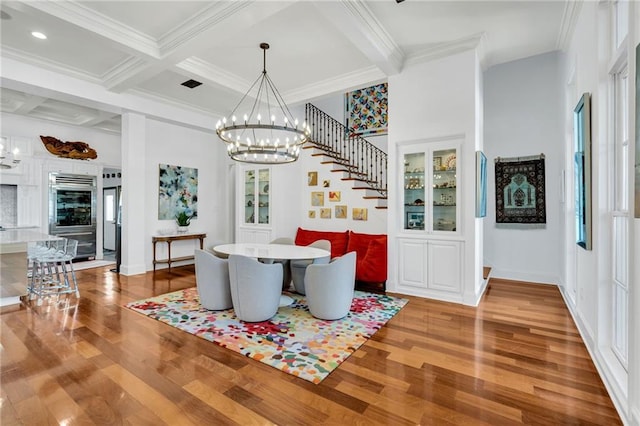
{"points": [[254, 204], [430, 189], [430, 243]]}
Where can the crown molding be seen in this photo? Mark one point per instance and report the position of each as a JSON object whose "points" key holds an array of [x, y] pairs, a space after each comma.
{"points": [[123, 72], [377, 35], [441, 50], [343, 83], [21, 56], [90, 20], [568, 23], [199, 23]]}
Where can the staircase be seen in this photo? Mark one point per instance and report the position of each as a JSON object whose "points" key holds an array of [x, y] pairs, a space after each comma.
{"points": [[355, 157]]}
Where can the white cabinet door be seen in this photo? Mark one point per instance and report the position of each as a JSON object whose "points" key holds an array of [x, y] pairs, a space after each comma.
{"points": [[444, 266], [412, 267]]}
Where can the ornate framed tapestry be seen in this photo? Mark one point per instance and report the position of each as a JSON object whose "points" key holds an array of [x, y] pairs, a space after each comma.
{"points": [[178, 191], [366, 110], [520, 190]]}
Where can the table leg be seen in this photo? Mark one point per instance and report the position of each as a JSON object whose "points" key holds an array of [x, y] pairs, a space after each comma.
{"points": [[169, 253], [154, 256]]}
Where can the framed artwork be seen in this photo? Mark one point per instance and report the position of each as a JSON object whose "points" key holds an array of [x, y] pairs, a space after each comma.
{"points": [[326, 183], [582, 169], [312, 214], [341, 212], [637, 161], [317, 198], [366, 110], [177, 191], [334, 195], [481, 184], [312, 178], [325, 213], [520, 190], [359, 213]]}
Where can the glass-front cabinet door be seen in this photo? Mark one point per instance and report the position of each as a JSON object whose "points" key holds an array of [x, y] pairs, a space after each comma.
{"points": [[414, 191], [430, 189], [256, 196], [445, 187]]}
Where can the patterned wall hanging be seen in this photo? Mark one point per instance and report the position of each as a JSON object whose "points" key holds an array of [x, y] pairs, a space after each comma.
{"points": [[520, 190], [366, 110], [178, 191]]}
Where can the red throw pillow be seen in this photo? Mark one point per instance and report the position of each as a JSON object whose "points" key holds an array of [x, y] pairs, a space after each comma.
{"points": [[338, 240], [360, 242], [373, 265]]}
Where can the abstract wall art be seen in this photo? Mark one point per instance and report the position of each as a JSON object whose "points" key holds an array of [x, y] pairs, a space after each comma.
{"points": [[366, 110], [178, 191]]}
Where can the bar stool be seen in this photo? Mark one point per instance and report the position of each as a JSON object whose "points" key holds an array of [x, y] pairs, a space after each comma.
{"points": [[52, 263]]}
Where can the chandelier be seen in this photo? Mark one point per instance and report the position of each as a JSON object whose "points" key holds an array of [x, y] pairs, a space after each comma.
{"points": [[8, 159], [267, 133]]}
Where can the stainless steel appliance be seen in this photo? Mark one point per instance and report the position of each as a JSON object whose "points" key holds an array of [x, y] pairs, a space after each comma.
{"points": [[72, 210]]}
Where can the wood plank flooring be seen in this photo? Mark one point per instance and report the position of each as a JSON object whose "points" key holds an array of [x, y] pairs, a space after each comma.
{"points": [[515, 359]]}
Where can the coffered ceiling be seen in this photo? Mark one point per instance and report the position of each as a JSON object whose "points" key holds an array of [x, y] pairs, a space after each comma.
{"points": [[147, 48]]}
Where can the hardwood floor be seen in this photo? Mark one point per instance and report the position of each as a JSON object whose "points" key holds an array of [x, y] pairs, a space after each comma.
{"points": [[516, 359]]}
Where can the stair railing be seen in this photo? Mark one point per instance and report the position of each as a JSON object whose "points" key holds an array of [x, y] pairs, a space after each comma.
{"points": [[360, 158]]}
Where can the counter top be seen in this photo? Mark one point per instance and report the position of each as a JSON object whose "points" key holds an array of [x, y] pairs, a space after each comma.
{"points": [[13, 236]]}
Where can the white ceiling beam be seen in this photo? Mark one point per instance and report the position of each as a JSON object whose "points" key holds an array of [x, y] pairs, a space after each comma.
{"points": [[358, 23], [101, 117], [30, 104]]}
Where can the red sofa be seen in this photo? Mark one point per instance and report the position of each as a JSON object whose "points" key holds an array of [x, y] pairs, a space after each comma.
{"points": [[371, 250]]}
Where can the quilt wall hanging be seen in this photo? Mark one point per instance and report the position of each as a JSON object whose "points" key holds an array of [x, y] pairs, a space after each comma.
{"points": [[520, 190], [366, 110], [178, 191]]}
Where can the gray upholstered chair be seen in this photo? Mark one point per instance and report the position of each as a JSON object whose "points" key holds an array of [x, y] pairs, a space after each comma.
{"points": [[255, 288], [212, 281], [330, 287], [286, 267], [299, 266]]}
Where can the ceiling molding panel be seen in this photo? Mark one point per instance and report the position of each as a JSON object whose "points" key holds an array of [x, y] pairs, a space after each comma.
{"points": [[202, 22], [213, 74], [90, 20]]}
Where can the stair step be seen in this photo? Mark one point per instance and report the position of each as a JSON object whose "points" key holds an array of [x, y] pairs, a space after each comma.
{"points": [[380, 197], [381, 207]]}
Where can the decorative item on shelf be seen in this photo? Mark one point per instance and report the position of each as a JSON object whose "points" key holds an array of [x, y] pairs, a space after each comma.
{"points": [[451, 162], [257, 138], [265, 190], [183, 220], [8, 158], [74, 150]]}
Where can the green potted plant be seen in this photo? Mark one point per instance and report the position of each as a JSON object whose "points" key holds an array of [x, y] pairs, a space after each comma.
{"points": [[183, 220]]}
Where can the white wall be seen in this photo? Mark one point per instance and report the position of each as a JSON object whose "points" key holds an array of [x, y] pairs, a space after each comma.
{"points": [[176, 145], [588, 62], [522, 117], [428, 102]]}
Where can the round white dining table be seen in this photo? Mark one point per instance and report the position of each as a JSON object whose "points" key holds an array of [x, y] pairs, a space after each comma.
{"points": [[273, 251]]}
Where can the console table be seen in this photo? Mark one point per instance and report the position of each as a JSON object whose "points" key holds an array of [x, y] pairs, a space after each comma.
{"points": [[169, 239]]}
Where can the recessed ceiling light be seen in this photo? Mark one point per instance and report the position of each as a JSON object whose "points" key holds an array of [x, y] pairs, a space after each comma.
{"points": [[38, 34]]}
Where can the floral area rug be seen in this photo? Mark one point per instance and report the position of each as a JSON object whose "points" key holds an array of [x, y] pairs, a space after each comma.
{"points": [[292, 341]]}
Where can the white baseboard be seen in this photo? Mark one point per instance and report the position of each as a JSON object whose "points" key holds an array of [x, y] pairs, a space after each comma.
{"points": [[524, 276], [132, 269], [616, 392]]}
